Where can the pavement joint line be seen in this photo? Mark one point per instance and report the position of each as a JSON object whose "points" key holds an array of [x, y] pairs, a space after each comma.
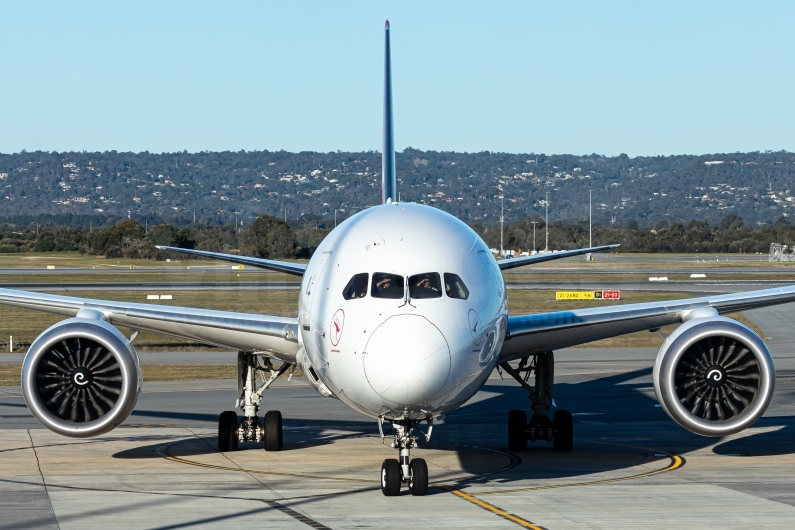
{"points": [[162, 451], [43, 480], [273, 504], [298, 516]]}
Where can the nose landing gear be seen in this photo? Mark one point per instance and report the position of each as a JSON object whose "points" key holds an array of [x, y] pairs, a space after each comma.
{"points": [[560, 429], [251, 429], [395, 473]]}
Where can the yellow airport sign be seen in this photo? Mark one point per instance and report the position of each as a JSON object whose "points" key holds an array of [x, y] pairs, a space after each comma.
{"points": [[574, 295], [608, 294]]}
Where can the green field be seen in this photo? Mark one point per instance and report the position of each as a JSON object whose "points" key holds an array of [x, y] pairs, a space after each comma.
{"points": [[75, 260]]}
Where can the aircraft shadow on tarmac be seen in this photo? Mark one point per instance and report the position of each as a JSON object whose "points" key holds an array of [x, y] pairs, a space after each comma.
{"points": [[294, 440], [617, 426]]}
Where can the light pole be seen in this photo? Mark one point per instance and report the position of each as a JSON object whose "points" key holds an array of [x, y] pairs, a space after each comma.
{"points": [[546, 223], [335, 218], [502, 223], [534, 235], [236, 230], [590, 219]]}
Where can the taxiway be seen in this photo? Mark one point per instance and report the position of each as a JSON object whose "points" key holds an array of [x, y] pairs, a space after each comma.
{"points": [[631, 467]]}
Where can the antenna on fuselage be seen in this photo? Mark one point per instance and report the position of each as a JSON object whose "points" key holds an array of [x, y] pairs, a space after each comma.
{"points": [[388, 180]]}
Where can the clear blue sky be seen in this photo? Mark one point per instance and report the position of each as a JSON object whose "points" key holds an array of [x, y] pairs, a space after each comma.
{"points": [[640, 78]]}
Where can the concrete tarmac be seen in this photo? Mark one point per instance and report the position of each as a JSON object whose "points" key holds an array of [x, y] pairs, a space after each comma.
{"points": [[632, 467]]}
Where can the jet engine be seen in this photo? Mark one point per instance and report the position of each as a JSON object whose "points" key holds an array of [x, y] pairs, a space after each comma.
{"points": [[714, 376], [81, 377]]}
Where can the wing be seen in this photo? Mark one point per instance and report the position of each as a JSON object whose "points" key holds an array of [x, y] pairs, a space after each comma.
{"points": [[288, 267], [552, 331], [510, 263], [241, 331]]}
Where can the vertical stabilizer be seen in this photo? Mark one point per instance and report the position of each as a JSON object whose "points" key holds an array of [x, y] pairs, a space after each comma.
{"points": [[388, 180]]}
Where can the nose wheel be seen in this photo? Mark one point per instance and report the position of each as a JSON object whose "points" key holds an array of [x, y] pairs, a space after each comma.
{"points": [[560, 428], [391, 477], [418, 480], [412, 472]]}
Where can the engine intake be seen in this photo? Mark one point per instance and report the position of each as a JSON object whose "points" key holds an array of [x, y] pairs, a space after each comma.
{"points": [[714, 376], [81, 378]]}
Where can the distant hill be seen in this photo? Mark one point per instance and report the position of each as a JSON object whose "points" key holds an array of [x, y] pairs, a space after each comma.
{"points": [[168, 187]]}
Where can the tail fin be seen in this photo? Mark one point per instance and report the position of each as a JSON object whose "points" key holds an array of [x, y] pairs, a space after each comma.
{"points": [[388, 180]]}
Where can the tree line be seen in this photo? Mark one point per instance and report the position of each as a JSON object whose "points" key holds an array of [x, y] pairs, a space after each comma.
{"points": [[271, 237], [211, 188]]}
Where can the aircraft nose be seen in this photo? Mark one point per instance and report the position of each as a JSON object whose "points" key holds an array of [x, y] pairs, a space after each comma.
{"points": [[407, 360]]}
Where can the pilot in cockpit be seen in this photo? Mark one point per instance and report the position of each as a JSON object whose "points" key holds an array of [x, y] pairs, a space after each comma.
{"points": [[387, 285], [425, 285]]}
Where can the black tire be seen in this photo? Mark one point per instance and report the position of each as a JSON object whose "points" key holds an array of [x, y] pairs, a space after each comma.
{"points": [[391, 477], [517, 430], [273, 431], [227, 441], [419, 477], [563, 440]]}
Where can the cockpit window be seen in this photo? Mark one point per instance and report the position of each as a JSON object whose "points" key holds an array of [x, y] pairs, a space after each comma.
{"points": [[425, 285], [387, 285], [356, 288], [454, 286]]}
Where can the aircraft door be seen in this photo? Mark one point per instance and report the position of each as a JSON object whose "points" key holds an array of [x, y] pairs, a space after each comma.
{"points": [[496, 277], [314, 280], [314, 302]]}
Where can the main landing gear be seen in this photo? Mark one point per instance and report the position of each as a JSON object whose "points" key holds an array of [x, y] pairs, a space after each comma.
{"points": [[251, 429], [560, 429], [394, 472]]}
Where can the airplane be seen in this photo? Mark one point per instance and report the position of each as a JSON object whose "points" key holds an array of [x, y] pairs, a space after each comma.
{"points": [[402, 316]]}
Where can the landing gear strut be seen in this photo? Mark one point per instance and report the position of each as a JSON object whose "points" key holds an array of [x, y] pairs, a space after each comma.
{"points": [[560, 429], [394, 472], [251, 429]]}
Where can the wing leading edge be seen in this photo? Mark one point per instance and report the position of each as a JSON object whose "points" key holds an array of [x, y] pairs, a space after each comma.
{"points": [[529, 334], [296, 269], [510, 263], [241, 331]]}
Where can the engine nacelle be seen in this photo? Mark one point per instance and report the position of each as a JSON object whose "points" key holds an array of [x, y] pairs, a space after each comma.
{"points": [[81, 377], [714, 376]]}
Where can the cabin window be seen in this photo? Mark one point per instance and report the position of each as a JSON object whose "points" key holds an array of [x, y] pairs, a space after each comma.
{"points": [[356, 288], [454, 286], [425, 285], [387, 285]]}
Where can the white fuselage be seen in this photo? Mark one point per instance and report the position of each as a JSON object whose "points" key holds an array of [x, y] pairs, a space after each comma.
{"points": [[400, 356]]}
